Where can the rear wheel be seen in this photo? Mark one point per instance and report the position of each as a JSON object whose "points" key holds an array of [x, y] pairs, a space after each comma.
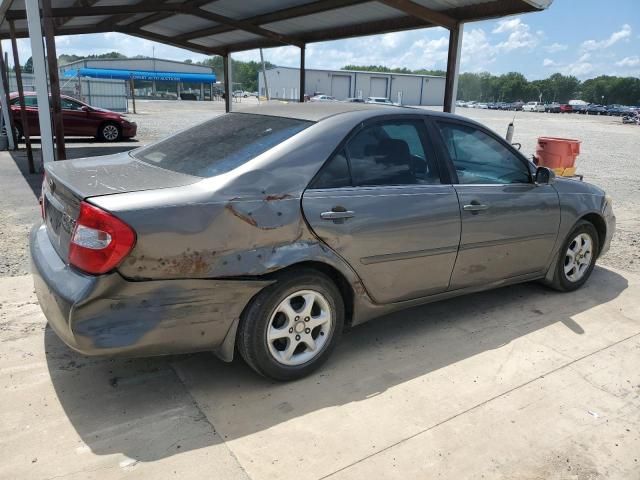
{"points": [[109, 132], [577, 258], [290, 328]]}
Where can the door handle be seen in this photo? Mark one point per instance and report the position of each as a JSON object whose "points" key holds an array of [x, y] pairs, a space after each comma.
{"points": [[475, 207], [339, 215]]}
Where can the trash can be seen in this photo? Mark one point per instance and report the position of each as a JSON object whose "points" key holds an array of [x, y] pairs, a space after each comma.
{"points": [[558, 154]]}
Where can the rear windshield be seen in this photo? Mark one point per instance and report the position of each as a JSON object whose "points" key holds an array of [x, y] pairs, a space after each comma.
{"points": [[221, 144]]}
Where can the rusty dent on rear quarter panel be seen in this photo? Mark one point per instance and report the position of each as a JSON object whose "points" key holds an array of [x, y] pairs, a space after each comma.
{"points": [[171, 316], [248, 222]]}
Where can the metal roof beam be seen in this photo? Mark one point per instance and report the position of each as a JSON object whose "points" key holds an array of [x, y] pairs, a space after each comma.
{"points": [[247, 27], [98, 11], [284, 14], [348, 31], [115, 19], [183, 8], [427, 14], [166, 40]]}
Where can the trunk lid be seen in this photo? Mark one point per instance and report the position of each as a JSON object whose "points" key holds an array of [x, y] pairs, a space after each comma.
{"points": [[69, 182]]}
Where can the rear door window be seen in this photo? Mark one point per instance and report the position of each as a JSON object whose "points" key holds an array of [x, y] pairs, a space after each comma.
{"points": [[221, 144], [391, 153]]}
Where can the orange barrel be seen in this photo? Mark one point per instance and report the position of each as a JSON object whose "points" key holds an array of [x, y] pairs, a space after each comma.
{"points": [[559, 154]]}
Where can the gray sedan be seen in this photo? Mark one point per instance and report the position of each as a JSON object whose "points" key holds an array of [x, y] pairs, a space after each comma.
{"points": [[269, 231]]}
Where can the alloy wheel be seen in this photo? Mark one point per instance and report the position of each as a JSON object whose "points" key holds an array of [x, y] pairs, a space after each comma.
{"points": [[578, 257], [299, 328], [110, 132]]}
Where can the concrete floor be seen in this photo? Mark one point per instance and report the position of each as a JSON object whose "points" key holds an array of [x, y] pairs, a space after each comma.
{"points": [[517, 383]]}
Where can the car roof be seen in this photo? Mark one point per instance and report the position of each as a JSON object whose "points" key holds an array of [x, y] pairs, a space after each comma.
{"points": [[317, 111]]}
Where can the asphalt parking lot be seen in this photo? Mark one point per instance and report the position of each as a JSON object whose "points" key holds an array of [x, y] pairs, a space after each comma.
{"points": [[516, 383]]}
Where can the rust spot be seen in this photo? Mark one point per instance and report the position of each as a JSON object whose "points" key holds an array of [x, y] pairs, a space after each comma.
{"points": [[282, 196], [241, 216], [194, 263]]}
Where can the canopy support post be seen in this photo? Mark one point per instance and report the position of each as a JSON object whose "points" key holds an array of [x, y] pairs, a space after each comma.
{"points": [[303, 50], [6, 108], [226, 60], [453, 67], [54, 79], [40, 73], [23, 107]]}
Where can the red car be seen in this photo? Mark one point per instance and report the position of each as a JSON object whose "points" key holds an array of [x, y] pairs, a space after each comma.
{"points": [[79, 119], [566, 108]]}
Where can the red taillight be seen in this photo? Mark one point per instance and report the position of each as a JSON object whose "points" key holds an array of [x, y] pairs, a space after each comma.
{"points": [[99, 241]]}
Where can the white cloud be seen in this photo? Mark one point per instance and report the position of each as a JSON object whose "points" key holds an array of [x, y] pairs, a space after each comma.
{"points": [[633, 61], [520, 35], [615, 37], [507, 25], [477, 51], [556, 47], [547, 62]]}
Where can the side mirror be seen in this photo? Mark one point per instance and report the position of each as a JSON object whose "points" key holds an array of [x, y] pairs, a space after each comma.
{"points": [[544, 176], [84, 108]]}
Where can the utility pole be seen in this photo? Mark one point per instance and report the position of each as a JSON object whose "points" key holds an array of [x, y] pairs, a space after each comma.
{"points": [[264, 76]]}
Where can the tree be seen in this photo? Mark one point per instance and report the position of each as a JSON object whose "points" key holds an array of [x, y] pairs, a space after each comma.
{"points": [[28, 66]]}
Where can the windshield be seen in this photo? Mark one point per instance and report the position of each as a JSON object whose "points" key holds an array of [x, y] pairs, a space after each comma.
{"points": [[221, 144]]}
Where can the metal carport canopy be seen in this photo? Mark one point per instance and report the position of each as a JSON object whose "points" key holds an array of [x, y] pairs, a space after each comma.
{"points": [[221, 27]]}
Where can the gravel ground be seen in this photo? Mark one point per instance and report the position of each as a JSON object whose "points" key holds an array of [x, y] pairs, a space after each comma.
{"points": [[609, 158]]}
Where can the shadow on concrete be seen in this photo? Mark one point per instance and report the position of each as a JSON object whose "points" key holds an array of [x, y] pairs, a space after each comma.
{"points": [[109, 400]]}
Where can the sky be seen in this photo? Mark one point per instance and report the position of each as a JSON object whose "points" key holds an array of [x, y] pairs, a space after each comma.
{"points": [[585, 38]]}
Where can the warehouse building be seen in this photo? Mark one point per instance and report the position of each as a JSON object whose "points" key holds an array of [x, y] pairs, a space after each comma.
{"points": [[408, 89], [152, 77]]}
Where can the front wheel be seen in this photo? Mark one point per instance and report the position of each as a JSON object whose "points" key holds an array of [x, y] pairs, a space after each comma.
{"points": [[291, 327], [577, 258], [109, 132]]}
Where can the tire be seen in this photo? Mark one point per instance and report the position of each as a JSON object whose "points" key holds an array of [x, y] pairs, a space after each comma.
{"points": [[109, 132], [567, 281], [287, 356]]}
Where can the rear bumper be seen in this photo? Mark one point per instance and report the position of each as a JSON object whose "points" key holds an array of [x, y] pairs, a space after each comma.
{"points": [[109, 315]]}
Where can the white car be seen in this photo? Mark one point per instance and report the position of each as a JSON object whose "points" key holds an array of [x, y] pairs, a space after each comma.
{"points": [[533, 107], [483, 106], [323, 98], [378, 100]]}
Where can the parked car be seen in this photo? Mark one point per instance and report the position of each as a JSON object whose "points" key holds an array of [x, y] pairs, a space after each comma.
{"points": [[618, 110], [241, 94], [354, 100], [516, 106], [306, 221], [533, 107], [79, 119], [482, 106], [552, 107], [378, 100], [594, 109], [323, 98], [566, 108], [579, 108]]}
